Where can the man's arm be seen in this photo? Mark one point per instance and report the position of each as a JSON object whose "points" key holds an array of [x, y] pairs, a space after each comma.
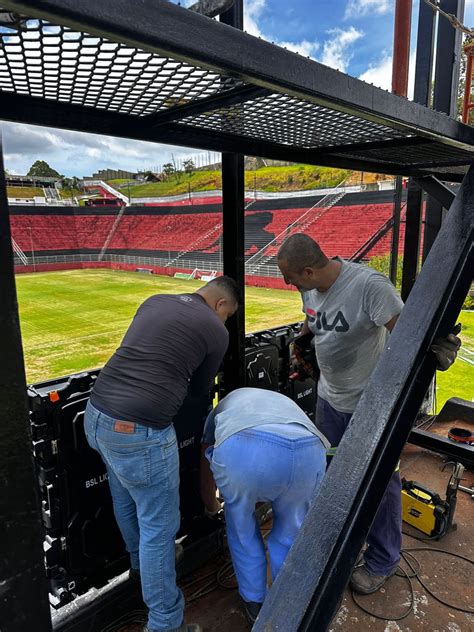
{"points": [[207, 483], [445, 349], [204, 375], [305, 329], [391, 323]]}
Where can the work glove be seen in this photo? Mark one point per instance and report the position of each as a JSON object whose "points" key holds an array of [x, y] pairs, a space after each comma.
{"points": [[304, 358], [446, 349]]}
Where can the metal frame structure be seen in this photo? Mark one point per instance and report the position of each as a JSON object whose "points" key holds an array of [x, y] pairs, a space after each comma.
{"points": [[169, 75], [305, 595]]}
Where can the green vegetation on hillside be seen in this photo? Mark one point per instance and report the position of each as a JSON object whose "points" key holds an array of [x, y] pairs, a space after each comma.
{"points": [[293, 178], [24, 192], [66, 194]]}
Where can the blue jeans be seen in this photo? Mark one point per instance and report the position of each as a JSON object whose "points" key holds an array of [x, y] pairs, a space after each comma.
{"points": [[143, 470], [384, 539], [253, 466]]}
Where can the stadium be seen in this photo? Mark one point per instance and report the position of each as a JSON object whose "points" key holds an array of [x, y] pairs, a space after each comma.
{"points": [[78, 259]]}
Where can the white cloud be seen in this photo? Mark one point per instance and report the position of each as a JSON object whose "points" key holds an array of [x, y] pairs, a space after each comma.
{"points": [[360, 8], [380, 74], [79, 154], [336, 51], [253, 10]]}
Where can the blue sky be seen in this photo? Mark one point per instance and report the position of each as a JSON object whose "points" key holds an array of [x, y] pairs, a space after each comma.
{"points": [[355, 36]]}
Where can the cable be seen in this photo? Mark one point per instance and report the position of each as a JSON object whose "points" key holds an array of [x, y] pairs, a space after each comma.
{"points": [[392, 617], [415, 573]]}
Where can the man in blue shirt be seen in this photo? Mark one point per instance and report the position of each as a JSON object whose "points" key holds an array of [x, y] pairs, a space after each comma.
{"points": [[261, 447]]}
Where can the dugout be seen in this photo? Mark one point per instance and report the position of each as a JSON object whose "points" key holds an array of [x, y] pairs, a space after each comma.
{"points": [[241, 95]]}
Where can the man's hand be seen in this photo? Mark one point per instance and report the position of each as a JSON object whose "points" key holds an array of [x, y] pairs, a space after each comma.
{"points": [[214, 513], [303, 356], [446, 349]]}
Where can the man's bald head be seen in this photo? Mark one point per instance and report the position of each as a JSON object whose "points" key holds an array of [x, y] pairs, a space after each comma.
{"points": [[301, 251], [223, 295]]}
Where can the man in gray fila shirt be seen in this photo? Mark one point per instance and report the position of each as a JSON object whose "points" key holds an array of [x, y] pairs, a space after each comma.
{"points": [[351, 309]]}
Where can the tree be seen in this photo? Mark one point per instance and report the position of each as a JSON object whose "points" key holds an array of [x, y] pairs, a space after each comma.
{"points": [[189, 166], [41, 169], [168, 169]]}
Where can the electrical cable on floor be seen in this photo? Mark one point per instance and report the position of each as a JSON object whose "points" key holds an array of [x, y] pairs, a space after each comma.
{"points": [[223, 578], [136, 616], [415, 573]]}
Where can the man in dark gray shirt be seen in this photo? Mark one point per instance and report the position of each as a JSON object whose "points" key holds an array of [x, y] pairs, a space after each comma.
{"points": [[174, 344]]}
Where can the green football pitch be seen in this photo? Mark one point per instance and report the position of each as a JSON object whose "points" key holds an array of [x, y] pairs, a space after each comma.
{"points": [[73, 320]]}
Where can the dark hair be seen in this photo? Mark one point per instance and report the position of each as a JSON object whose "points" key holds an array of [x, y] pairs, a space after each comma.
{"points": [[301, 251], [227, 285]]}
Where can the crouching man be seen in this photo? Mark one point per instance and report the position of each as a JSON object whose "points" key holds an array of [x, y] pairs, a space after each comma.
{"points": [[261, 447]]}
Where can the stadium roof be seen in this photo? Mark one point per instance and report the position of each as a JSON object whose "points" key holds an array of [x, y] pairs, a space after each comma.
{"points": [[169, 75]]}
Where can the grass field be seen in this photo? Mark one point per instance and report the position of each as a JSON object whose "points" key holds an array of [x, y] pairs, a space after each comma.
{"points": [[73, 320]]}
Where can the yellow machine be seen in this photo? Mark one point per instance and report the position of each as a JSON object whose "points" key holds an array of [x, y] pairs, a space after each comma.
{"points": [[424, 509]]}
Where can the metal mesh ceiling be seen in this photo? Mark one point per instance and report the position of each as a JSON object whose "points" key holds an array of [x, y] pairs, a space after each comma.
{"points": [[427, 153], [285, 120], [54, 62]]}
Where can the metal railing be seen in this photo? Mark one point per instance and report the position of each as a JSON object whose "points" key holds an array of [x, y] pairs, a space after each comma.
{"points": [[266, 270]]}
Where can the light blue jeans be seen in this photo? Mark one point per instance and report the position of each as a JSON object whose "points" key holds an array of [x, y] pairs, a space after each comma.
{"points": [[253, 466], [143, 472]]}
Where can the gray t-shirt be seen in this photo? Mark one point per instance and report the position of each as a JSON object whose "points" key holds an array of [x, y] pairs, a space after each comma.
{"points": [[247, 408], [349, 334]]}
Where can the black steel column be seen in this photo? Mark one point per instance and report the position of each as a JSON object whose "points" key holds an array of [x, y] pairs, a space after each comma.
{"points": [[397, 209], [411, 249], [422, 95], [23, 590], [306, 594], [424, 54], [448, 61], [233, 194]]}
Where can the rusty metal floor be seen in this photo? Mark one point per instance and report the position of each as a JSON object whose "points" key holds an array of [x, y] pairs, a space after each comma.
{"points": [[450, 578]]}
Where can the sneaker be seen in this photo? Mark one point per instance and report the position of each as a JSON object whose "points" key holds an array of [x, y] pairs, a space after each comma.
{"points": [[364, 582], [251, 610]]}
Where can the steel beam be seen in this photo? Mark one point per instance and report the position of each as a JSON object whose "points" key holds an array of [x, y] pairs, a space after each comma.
{"points": [[448, 56], [24, 603], [306, 593], [211, 8], [207, 104], [19, 108], [411, 246], [397, 211], [233, 238], [401, 47], [169, 30], [436, 189], [448, 59], [424, 54], [459, 452]]}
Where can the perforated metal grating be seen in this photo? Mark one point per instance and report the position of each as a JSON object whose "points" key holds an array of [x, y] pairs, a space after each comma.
{"points": [[285, 120], [426, 153], [54, 62]]}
